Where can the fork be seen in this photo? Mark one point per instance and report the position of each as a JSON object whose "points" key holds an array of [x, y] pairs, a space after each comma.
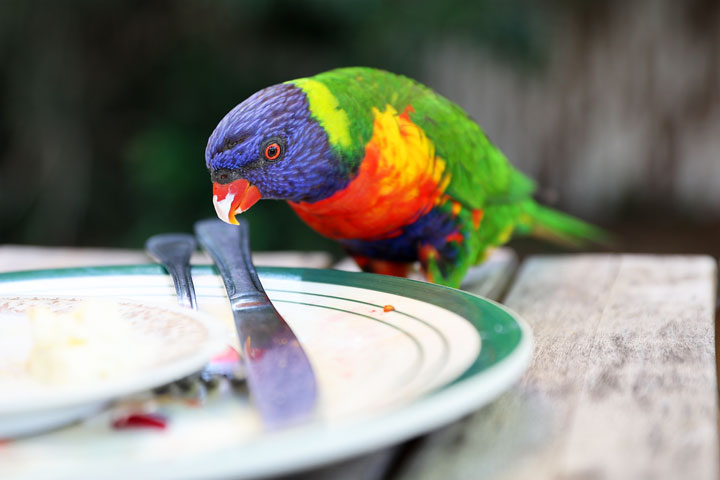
{"points": [[173, 251]]}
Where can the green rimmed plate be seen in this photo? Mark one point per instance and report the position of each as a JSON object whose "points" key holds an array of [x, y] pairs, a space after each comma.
{"points": [[394, 358]]}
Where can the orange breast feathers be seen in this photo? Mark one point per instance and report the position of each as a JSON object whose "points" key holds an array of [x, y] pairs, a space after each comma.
{"points": [[399, 180]]}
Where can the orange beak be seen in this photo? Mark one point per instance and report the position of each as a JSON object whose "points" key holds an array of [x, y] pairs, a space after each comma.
{"points": [[233, 198]]}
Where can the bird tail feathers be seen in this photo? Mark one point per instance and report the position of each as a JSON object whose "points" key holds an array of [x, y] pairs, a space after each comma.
{"points": [[557, 227]]}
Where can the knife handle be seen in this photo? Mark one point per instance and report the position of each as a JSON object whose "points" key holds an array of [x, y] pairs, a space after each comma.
{"points": [[229, 246]]}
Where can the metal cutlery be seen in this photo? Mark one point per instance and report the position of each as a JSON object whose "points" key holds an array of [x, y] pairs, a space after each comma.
{"points": [[173, 251], [279, 375]]}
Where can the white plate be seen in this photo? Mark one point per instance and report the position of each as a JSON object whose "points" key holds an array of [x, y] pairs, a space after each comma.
{"points": [[384, 376], [180, 341]]}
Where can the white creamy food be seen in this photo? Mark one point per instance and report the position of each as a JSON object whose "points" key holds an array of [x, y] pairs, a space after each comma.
{"points": [[90, 343]]}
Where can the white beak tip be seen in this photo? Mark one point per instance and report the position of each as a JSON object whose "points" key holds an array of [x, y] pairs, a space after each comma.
{"points": [[223, 207]]}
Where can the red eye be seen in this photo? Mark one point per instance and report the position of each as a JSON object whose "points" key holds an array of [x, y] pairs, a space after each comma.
{"points": [[272, 151]]}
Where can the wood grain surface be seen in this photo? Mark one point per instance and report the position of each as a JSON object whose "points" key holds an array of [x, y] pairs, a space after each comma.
{"points": [[622, 385]]}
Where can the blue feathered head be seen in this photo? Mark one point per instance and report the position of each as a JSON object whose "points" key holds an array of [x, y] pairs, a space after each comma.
{"points": [[269, 146]]}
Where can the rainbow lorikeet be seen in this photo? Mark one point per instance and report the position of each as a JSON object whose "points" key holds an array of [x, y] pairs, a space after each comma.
{"points": [[393, 171]]}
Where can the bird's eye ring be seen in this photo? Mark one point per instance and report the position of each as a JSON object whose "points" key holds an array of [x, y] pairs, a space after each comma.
{"points": [[272, 151]]}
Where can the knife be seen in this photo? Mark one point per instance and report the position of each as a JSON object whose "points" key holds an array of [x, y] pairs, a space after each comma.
{"points": [[279, 375]]}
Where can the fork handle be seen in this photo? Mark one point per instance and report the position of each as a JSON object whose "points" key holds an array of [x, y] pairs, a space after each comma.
{"points": [[173, 251]]}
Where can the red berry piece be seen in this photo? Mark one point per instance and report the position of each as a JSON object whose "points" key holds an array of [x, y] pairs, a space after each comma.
{"points": [[140, 420]]}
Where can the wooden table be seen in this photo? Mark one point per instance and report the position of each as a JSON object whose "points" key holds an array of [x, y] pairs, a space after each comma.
{"points": [[623, 383]]}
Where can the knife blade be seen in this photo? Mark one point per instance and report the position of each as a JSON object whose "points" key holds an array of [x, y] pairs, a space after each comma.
{"points": [[280, 378]]}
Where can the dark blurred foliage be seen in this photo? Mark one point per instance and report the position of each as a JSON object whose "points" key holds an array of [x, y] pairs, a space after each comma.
{"points": [[107, 106]]}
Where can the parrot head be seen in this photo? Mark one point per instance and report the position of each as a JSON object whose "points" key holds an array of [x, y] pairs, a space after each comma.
{"points": [[269, 146]]}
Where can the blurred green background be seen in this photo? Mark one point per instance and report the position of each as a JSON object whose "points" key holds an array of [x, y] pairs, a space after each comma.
{"points": [[107, 106]]}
